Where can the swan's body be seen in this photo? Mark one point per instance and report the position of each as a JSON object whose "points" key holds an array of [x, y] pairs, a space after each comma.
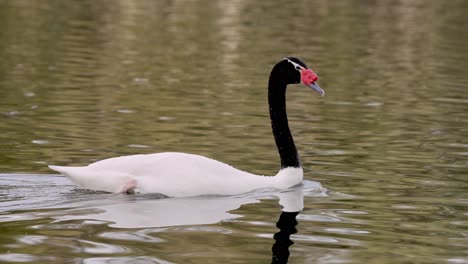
{"points": [[163, 173], [183, 175]]}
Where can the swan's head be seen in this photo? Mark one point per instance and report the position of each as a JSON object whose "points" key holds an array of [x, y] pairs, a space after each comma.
{"points": [[298, 72]]}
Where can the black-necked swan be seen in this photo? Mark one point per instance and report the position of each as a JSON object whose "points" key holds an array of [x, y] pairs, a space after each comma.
{"points": [[183, 175]]}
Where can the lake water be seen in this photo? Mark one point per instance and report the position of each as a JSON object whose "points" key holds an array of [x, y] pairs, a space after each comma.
{"points": [[86, 80]]}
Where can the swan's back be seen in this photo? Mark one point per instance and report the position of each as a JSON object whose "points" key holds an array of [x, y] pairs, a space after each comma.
{"points": [[169, 173]]}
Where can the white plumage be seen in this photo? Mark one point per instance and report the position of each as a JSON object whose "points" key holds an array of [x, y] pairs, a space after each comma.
{"points": [[174, 174]]}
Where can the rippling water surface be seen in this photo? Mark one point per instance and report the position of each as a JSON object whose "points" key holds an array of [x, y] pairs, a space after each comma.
{"points": [[87, 80]]}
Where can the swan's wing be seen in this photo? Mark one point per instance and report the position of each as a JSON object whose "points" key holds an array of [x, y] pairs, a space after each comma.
{"points": [[169, 173]]}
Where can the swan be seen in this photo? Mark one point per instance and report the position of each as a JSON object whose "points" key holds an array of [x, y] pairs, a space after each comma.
{"points": [[176, 174]]}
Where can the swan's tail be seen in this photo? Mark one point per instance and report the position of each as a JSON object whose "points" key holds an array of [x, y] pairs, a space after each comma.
{"points": [[63, 170], [97, 180], [76, 174]]}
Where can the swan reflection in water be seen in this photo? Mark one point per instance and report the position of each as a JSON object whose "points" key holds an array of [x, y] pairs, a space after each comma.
{"points": [[141, 212], [287, 226], [144, 211]]}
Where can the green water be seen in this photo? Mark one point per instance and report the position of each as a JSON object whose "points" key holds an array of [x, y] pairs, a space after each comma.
{"points": [[85, 80]]}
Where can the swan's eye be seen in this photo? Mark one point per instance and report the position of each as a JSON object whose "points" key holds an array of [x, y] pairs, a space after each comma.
{"points": [[298, 68]]}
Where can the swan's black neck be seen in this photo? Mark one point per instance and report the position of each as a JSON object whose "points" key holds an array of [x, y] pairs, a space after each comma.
{"points": [[279, 120]]}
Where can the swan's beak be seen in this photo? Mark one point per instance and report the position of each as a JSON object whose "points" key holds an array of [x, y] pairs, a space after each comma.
{"points": [[314, 86], [309, 78]]}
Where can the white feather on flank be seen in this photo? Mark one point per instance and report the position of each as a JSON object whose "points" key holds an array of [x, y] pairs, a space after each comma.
{"points": [[174, 175]]}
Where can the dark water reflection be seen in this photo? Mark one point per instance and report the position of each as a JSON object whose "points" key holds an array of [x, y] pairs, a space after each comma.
{"points": [[287, 223], [86, 80]]}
